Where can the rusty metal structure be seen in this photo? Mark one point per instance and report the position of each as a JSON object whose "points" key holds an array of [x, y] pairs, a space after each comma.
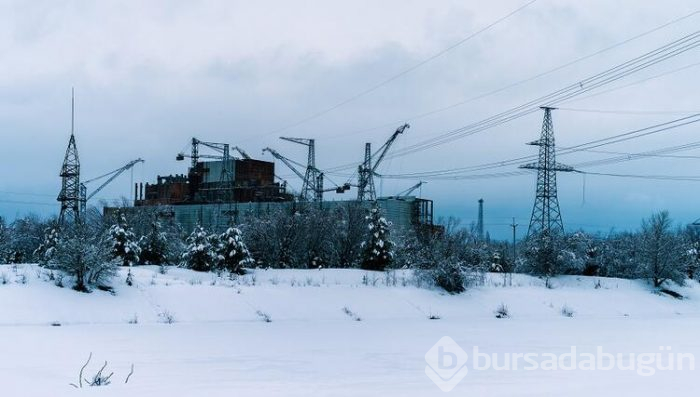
{"points": [[220, 179]]}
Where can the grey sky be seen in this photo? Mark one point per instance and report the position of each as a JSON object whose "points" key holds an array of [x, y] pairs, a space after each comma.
{"points": [[149, 75]]}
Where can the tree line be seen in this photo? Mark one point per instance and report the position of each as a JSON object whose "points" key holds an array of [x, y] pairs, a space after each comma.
{"points": [[449, 255]]}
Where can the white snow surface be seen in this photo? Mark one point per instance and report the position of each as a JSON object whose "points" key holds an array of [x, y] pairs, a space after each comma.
{"points": [[219, 345]]}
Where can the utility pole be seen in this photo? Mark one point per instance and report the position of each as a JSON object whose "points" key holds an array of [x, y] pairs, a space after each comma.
{"points": [[515, 254], [546, 216], [480, 221]]}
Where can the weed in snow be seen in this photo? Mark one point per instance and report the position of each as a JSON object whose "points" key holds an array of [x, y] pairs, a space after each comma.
{"points": [[166, 317], [351, 314], [264, 316], [502, 311], [566, 311]]}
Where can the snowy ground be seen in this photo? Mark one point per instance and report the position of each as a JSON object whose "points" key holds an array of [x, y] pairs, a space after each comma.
{"points": [[219, 344]]}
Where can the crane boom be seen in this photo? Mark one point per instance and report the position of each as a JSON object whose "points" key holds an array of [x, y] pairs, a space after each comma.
{"points": [[385, 148], [411, 189], [286, 161], [112, 176], [242, 152]]}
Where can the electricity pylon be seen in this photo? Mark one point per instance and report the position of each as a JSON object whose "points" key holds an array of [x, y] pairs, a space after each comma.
{"points": [[546, 216], [70, 196]]}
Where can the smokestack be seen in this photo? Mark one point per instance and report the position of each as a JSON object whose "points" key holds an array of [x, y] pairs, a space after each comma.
{"points": [[480, 222], [136, 192], [141, 194]]}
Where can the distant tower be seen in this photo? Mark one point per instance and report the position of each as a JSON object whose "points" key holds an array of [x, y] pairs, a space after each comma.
{"points": [[70, 176], [480, 222], [546, 217]]}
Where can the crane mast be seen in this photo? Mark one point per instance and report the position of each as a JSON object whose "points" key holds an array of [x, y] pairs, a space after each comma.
{"points": [[368, 169], [310, 186]]}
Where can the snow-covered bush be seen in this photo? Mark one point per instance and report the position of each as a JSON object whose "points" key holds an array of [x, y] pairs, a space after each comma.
{"points": [[450, 276], [232, 252], [566, 311], [502, 311], [84, 255], [199, 253], [378, 253]]}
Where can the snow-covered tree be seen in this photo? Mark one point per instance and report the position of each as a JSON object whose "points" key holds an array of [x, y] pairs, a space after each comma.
{"points": [[26, 235], [154, 245], [543, 255], [124, 244], [5, 236], [378, 253], [84, 254], [47, 250], [199, 253], [232, 252], [660, 259]]}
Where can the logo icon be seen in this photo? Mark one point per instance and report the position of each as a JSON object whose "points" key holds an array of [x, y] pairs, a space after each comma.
{"points": [[446, 364]]}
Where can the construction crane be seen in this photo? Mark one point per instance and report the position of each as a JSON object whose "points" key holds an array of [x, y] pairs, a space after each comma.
{"points": [[111, 176], [411, 189], [368, 169], [318, 191], [310, 186], [226, 179], [292, 165]]}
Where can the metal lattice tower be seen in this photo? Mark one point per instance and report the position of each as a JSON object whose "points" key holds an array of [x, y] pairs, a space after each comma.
{"points": [[365, 185], [70, 197], [368, 169], [310, 189], [546, 216]]}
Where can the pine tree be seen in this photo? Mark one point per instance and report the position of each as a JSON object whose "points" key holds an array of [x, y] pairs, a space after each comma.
{"points": [[154, 246], [378, 253], [232, 252], [125, 247], [199, 254]]}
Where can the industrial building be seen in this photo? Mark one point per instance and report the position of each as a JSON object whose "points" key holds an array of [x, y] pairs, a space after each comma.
{"points": [[219, 190], [403, 212]]}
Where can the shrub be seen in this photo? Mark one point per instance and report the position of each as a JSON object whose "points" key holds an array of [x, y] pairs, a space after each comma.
{"points": [[502, 311]]}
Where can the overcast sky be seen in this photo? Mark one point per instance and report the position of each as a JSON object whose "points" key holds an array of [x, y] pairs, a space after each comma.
{"points": [[150, 75]]}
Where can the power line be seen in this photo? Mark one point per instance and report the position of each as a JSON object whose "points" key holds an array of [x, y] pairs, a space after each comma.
{"points": [[531, 78], [402, 73], [631, 112], [453, 173], [658, 55], [656, 76], [680, 178]]}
